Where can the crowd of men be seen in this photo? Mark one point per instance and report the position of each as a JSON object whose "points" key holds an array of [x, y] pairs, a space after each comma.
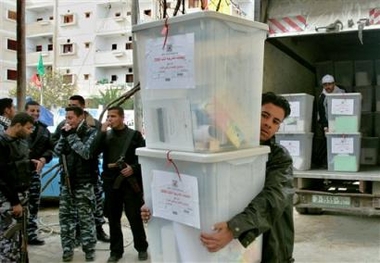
{"points": [[26, 145]]}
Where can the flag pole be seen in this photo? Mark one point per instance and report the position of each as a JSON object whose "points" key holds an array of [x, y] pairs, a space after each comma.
{"points": [[41, 91]]}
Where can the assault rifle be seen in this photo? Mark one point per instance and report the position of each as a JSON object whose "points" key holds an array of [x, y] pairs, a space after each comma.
{"points": [[120, 165]]}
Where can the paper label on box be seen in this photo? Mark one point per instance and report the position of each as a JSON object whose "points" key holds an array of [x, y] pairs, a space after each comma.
{"points": [[292, 146], [176, 199], [342, 106], [342, 145], [170, 66], [295, 109]]}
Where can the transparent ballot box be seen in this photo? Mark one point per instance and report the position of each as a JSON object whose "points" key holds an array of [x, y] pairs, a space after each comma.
{"points": [[194, 191], [201, 83]]}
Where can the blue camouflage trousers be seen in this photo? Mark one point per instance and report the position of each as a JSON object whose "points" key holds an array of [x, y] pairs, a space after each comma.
{"points": [[34, 203], [9, 248], [98, 213], [77, 206]]}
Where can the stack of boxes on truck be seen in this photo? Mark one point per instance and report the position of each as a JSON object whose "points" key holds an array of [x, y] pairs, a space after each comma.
{"points": [[295, 132], [201, 84], [343, 138], [360, 76]]}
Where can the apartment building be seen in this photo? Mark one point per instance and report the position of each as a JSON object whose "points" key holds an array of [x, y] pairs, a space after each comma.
{"points": [[8, 46], [88, 42]]}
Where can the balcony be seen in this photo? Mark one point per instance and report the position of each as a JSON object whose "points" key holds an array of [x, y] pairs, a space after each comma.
{"points": [[113, 25], [40, 28], [113, 58], [33, 57]]}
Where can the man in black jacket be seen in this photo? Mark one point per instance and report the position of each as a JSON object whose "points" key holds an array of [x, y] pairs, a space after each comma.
{"points": [[14, 182], [41, 151], [7, 111], [270, 213], [122, 182]]}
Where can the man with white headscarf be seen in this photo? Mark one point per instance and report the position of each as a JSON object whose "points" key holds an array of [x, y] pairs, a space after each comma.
{"points": [[328, 83]]}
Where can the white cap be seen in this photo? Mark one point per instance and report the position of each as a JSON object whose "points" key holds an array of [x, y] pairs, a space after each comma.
{"points": [[328, 79]]}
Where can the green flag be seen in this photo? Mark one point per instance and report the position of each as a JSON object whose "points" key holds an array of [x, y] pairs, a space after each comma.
{"points": [[40, 67]]}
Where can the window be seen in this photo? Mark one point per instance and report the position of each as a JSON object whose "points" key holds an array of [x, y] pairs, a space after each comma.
{"points": [[68, 19], [12, 15], [87, 15], [67, 48], [130, 70], [113, 78], [114, 47], [87, 45], [130, 38], [51, 17], [117, 14], [128, 46], [38, 48], [86, 76], [68, 79], [39, 19], [11, 74], [129, 78], [50, 47], [12, 44], [129, 13], [148, 12]]}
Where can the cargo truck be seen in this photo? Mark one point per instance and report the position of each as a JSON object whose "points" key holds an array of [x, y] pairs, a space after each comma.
{"points": [[308, 39]]}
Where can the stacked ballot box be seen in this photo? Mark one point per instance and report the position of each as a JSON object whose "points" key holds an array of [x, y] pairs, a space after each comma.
{"points": [[344, 137], [299, 146], [201, 83], [343, 151], [194, 192], [201, 86], [301, 114], [294, 133]]}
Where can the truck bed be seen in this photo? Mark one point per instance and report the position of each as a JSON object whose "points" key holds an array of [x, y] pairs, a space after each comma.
{"points": [[318, 190]]}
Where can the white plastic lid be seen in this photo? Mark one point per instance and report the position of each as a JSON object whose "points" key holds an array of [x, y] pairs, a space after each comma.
{"points": [[202, 157]]}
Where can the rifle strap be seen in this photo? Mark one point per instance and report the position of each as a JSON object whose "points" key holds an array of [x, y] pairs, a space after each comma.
{"points": [[130, 134]]}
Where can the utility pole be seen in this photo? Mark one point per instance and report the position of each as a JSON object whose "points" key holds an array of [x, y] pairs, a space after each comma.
{"points": [[21, 64], [137, 97]]}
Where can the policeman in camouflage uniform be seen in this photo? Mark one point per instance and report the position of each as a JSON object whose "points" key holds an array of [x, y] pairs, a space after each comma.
{"points": [[14, 182], [41, 152], [77, 199], [7, 111], [78, 101]]}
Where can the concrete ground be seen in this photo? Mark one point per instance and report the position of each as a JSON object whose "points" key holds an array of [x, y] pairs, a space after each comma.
{"points": [[328, 238]]}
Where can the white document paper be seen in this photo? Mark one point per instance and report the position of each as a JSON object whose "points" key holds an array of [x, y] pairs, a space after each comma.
{"points": [[292, 146], [342, 106], [295, 109], [170, 66], [342, 145], [176, 199]]}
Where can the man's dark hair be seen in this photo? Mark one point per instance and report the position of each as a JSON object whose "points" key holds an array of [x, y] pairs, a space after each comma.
{"points": [[279, 101], [119, 110], [31, 103], [78, 98], [22, 118], [77, 110], [4, 104]]}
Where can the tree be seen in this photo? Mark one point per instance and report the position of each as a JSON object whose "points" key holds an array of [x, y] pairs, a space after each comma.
{"points": [[109, 95], [55, 90]]}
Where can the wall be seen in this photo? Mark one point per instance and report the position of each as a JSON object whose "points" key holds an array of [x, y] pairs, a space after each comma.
{"points": [[282, 74]]}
